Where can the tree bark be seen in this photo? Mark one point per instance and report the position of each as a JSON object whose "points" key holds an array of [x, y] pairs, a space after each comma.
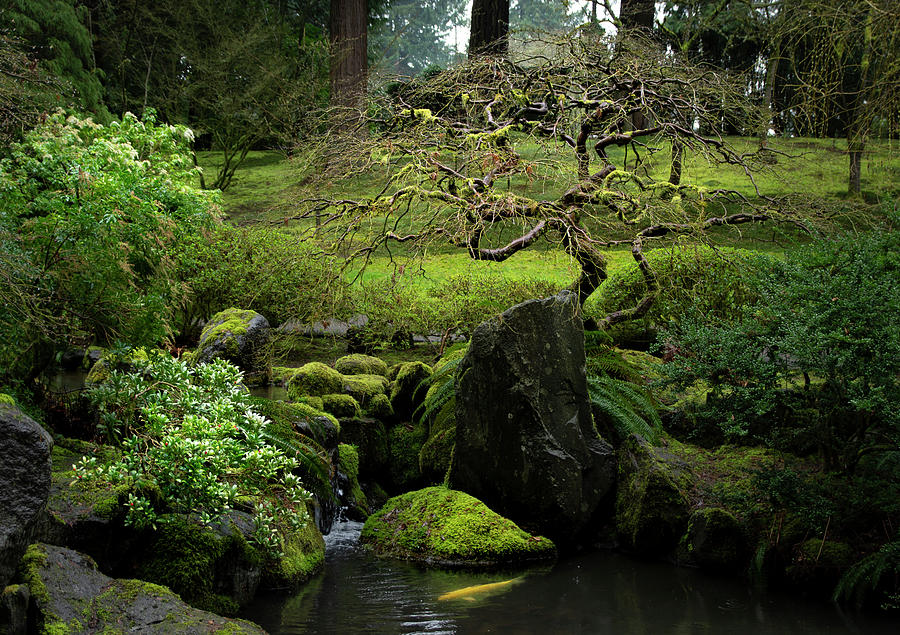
{"points": [[349, 61], [489, 27]]}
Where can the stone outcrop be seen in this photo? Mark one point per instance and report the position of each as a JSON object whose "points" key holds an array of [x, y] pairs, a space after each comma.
{"points": [[70, 595], [525, 440], [238, 336], [24, 484]]}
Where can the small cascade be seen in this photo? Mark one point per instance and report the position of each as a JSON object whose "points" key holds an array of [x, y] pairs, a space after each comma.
{"points": [[344, 536]]}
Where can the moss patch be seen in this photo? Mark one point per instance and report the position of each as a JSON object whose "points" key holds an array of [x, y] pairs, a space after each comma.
{"points": [[316, 379], [304, 557], [358, 364], [348, 463], [227, 324], [364, 388], [7, 399], [440, 526], [341, 406]]}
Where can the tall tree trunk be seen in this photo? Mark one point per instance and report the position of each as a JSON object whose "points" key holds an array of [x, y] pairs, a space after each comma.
{"points": [[489, 28], [349, 61], [637, 14]]}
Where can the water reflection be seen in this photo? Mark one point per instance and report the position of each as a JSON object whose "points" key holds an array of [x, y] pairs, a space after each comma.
{"points": [[593, 593]]}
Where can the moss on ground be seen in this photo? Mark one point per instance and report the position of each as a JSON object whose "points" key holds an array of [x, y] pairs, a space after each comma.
{"points": [[441, 526]]}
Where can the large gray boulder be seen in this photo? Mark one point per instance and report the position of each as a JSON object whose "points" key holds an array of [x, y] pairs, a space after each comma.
{"points": [[24, 484], [71, 596], [238, 336], [525, 440]]}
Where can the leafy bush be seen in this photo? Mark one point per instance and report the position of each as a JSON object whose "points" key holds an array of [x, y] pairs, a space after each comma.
{"points": [[826, 320], [270, 271], [88, 216], [715, 282], [192, 437]]}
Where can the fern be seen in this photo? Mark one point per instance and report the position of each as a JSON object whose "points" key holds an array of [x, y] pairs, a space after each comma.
{"points": [[863, 578], [630, 407], [441, 397], [313, 462]]}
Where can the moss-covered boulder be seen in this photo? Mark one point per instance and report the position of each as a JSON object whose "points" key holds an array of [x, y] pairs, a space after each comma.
{"points": [[407, 391], [370, 437], [714, 540], [88, 517], [359, 364], [127, 362], [304, 557], [817, 565], [214, 569], [240, 337], [651, 502], [69, 595], [440, 526], [380, 408], [405, 442], [352, 496], [91, 356], [315, 379], [365, 388], [341, 406], [303, 418], [436, 455]]}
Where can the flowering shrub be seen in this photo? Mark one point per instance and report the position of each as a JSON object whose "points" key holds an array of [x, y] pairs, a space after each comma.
{"points": [[191, 436]]}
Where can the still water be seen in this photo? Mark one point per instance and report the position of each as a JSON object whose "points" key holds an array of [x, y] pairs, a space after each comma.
{"points": [[599, 592]]}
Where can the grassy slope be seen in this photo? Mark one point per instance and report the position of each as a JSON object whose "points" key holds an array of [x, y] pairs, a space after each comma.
{"points": [[267, 183]]}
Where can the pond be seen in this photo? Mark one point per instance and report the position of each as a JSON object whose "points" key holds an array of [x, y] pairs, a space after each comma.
{"points": [[598, 592]]}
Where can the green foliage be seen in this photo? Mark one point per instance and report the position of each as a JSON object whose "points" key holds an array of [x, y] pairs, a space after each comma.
{"points": [[826, 315], [194, 437], [269, 271], [714, 282], [616, 390], [875, 575], [88, 216]]}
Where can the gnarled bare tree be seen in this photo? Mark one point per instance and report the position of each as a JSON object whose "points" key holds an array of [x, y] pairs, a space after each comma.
{"points": [[499, 154]]}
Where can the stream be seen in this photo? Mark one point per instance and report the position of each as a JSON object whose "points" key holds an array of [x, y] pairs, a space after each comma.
{"points": [[597, 592]]}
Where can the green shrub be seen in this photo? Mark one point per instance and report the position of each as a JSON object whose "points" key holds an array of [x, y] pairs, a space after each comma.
{"points": [[713, 282], [198, 443], [89, 218], [821, 352], [270, 271]]}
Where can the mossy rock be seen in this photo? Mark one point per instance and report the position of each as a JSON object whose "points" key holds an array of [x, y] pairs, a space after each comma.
{"points": [[341, 406], [91, 356], [818, 565], [240, 336], [359, 364], [69, 595], [216, 571], [304, 557], [364, 388], [380, 408], [282, 375], [394, 370], [444, 527], [7, 399], [315, 379], [715, 540], [370, 437], [405, 443], [651, 500], [407, 390], [436, 454], [130, 362], [354, 498]]}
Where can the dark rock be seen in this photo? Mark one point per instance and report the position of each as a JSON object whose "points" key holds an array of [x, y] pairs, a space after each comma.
{"points": [[651, 506], [70, 595], [24, 484], [238, 336], [14, 602], [714, 540], [525, 441], [72, 359]]}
